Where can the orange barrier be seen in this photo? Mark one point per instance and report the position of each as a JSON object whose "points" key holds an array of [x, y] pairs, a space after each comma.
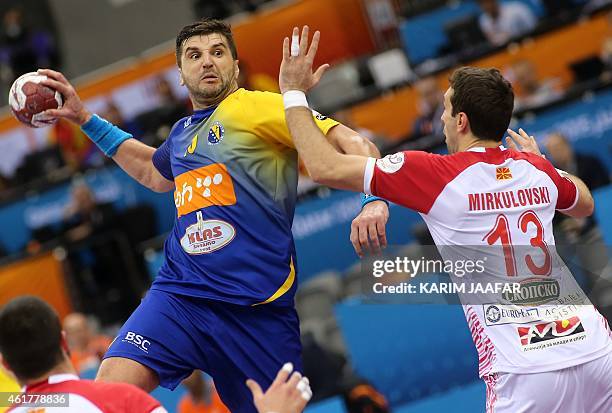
{"points": [[41, 276], [393, 115], [344, 33]]}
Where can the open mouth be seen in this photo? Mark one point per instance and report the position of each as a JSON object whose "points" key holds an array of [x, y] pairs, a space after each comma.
{"points": [[209, 77]]}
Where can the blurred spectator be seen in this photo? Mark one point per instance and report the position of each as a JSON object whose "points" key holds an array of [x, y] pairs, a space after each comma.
{"points": [[606, 58], [112, 113], [531, 92], [430, 106], [501, 22], [586, 167], [85, 216], [15, 36], [201, 396], [155, 124], [100, 258], [86, 347], [581, 234], [330, 375], [23, 49]]}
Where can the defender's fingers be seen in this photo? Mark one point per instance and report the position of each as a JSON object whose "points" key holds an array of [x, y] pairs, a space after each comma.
{"points": [[295, 42], [286, 48], [304, 41], [314, 46]]}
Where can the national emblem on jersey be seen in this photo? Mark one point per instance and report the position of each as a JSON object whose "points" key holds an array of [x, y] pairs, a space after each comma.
{"points": [[215, 134], [503, 173]]}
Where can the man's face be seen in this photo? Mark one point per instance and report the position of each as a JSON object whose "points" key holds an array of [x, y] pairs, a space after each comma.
{"points": [[450, 122], [208, 69], [429, 93], [559, 151]]}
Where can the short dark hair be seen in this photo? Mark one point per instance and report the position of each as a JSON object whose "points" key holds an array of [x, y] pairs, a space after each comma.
{"points": [[30, 337], [202, 28], [487, 99]]}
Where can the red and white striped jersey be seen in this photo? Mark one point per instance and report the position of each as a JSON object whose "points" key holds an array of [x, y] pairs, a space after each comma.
{"points": [[86, 396], [499, 203]]}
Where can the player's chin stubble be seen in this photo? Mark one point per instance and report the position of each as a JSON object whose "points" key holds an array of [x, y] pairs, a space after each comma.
{"points": [[206, 95]]}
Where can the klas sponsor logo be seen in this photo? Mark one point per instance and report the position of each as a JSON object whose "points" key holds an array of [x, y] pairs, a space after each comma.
{"points": [[137, 340], [534, 291], [205, 237], [551, 331]]}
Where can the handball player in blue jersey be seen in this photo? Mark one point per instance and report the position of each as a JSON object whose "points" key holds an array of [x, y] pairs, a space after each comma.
{"points": [[223, 300]]}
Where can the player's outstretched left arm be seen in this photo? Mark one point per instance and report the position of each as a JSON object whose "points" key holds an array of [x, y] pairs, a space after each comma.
{"points": [[132, 156], [288, 393], [324, 163]]}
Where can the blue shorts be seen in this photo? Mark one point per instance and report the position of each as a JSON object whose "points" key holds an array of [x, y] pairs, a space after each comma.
{"points": [[175, 334]]}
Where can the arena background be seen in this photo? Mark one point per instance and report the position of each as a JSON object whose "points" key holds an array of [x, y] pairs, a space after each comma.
{"points": [[120, 55]]}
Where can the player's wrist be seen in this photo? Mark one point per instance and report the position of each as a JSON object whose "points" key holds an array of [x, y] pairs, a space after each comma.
{"points": [[83, 117], [294, 98], [366, 199], [104, 134]]}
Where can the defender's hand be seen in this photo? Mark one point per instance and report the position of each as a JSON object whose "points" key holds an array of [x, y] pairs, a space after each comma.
{"points": [[368, 228], [525, 142], [73, 109], [285, 395], [296, 67]]}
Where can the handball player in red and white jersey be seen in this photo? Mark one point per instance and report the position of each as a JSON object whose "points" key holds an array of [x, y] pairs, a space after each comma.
{"points": [[542, 348], [34, 349]]}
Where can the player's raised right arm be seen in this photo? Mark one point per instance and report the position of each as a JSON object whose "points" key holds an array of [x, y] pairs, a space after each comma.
{"points": [[132, 156]]}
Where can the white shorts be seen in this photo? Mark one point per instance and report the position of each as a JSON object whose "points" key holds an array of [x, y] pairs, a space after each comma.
{"points": [[586, 388]]}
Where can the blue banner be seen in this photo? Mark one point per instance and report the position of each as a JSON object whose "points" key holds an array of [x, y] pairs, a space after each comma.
{"points": [[110, 185], [322, 227], [586, 123]]}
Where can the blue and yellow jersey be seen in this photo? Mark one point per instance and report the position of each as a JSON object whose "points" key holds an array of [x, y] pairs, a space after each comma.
{"points": [[235, 171]]}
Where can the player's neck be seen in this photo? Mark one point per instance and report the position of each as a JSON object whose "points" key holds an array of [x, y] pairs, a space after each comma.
{"points": [[215, 101], [478, 143], [64, 367]]}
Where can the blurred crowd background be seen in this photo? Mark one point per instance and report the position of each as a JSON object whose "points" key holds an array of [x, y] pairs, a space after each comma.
{"points": [[81, 234]]}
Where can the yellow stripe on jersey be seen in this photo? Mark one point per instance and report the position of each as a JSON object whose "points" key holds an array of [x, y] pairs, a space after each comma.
{"points": [[283, 288]]}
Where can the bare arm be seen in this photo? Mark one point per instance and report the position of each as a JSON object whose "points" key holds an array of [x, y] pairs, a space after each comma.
{"points": [[347, 141], [325, 165], [132, 156], [136, 158]]}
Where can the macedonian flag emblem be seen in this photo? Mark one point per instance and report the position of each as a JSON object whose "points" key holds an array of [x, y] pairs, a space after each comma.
{"points": [[503, 173]]}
